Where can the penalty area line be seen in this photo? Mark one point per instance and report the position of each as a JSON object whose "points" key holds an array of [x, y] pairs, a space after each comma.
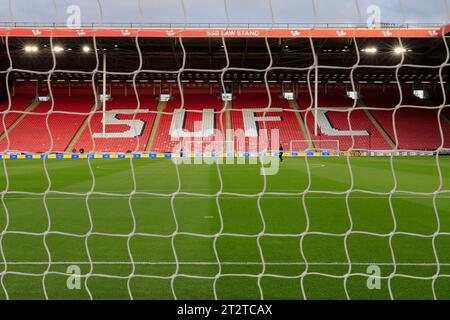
{"points": [[242, 263]]}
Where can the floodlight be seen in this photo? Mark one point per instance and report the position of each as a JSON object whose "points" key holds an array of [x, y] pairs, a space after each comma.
{"points": [[31, 48], [371, 50], [86, 49], [399, 50], [58, 49]]}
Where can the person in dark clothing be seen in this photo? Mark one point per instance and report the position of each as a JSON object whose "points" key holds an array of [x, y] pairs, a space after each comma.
{"points": [[280, 154]]}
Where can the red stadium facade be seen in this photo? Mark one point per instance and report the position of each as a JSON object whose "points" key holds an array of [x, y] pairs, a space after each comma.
{"points": [[412, 32]]}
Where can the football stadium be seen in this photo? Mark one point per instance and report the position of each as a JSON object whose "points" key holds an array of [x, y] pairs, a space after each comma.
{"points": [[224, 161]]}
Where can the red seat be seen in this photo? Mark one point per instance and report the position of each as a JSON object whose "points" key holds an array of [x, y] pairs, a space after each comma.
{"points": [[33, 133], [193, 104], [288, 128], [357, 118], [417, 128], [90, 144]]}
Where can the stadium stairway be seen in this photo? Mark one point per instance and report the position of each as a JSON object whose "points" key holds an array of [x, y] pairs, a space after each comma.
{"points": [[294, 105], [360, 122], [445, 117], [121, 138], [417, 128], [12, 119], [45, 129], [77, 135], [161, 107], [228, 124], [377, 125]]}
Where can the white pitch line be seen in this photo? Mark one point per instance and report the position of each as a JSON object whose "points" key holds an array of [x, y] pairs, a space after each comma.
{"points": [[77, 197], [407, 264]]}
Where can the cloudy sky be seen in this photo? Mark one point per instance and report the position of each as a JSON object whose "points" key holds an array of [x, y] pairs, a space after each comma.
{"points": [[213, 11]]}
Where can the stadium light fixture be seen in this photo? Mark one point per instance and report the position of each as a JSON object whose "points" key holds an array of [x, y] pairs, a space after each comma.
{"points": [[31, 49], [399, 50], [371, 50], [58, 49], [86, 49]]}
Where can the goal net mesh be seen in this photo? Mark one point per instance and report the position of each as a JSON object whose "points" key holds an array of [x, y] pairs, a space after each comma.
{"points": [[160, 243]]}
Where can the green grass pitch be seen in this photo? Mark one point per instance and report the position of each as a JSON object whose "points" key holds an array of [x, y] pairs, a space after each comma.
{"points": [[296, 243]]}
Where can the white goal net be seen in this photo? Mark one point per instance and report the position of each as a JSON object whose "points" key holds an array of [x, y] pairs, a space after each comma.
{"points": [[175, 223]]}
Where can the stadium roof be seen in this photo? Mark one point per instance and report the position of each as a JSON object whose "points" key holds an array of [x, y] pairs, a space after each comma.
{"points": [[204, 58], [284, 30]]}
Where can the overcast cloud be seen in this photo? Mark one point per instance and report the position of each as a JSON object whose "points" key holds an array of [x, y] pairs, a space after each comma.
{"points": [[213, 11]]}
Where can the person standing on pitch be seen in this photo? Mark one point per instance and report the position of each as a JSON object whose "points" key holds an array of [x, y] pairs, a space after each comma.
{"points": [[280, 154]]}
